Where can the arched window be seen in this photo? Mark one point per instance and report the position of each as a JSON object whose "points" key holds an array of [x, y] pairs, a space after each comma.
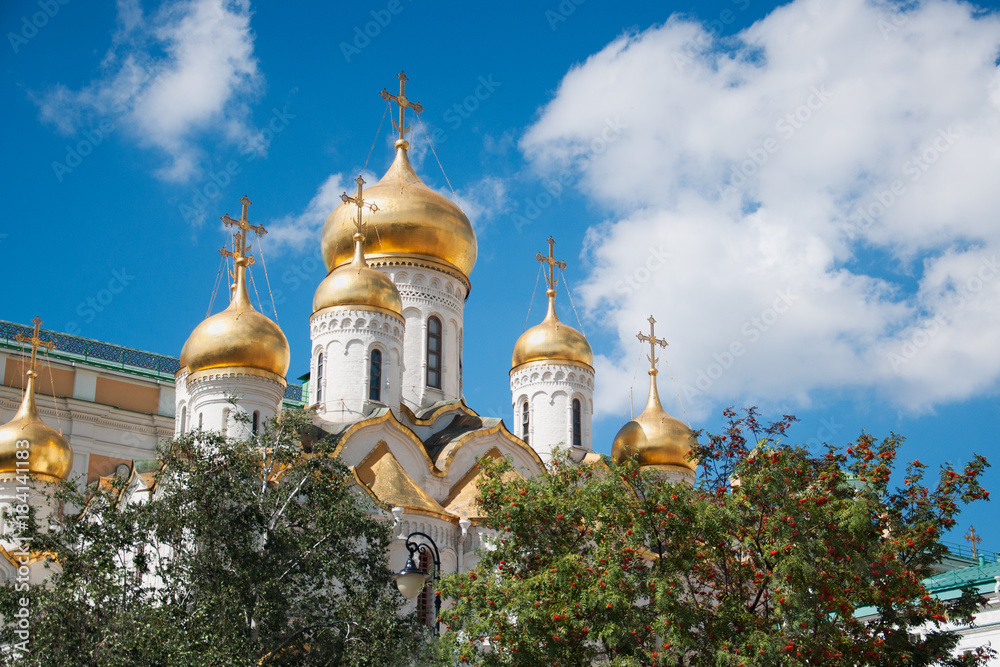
{"points": [[524, 421], [201, 420], [375, 377], [256, 421], [577, 423], [225, 421], [434, 353], [184, 414], [319, 378]]}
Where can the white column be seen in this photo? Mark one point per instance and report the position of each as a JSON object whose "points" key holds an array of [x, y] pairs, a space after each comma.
{"points": [[550, 388], [428, 292], [346, 337]]}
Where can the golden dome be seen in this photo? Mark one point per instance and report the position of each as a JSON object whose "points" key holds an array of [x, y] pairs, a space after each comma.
{"points": [[412, 220], [50, 456], [238, 336], [356, 284], [655, 438], [552, 341]]}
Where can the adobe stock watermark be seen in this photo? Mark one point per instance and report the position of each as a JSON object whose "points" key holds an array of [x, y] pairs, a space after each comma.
{"points": [[30, 26], [89, 308], [751, 330], [889, 25], [16, 515], [96, 135], [924, 333], [530, 208], [631, 282], [363, 35], [785, 128], [914, 167], [828, 428], [704, 38], [304, 273], [194, 209], [562, 12], [457, 113]]}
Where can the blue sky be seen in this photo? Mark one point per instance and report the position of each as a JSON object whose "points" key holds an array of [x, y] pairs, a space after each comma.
{"points": [[803, 195]]}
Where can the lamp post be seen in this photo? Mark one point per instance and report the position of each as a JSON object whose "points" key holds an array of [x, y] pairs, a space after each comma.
{"points": [[411, 580]]}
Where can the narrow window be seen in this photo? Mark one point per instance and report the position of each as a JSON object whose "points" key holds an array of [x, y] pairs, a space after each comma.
{"points": [[375, 377], [225, 421], [201, 420], [434, 353], [577, 438], [184, 413], [256, 421], [319, 378], [524, 421], [424, 600]]}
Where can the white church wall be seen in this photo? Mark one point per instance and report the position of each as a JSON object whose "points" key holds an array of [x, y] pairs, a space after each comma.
{"points": [[210, 407], [346, 337], [550, 389], [428, 292]]}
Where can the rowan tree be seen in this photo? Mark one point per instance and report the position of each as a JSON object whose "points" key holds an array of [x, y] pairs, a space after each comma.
{"points": [[777, 556], [250, 552]]}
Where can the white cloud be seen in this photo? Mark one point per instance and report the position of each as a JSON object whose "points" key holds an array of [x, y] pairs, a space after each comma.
{"points": [[823, 186], [297, 231], [170, 79], [482, 201]]}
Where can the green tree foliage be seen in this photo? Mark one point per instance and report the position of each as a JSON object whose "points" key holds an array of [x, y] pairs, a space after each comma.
{"points": [[778, 556], [249, 553]]}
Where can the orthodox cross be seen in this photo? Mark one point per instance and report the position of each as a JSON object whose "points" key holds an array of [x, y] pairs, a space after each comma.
{"points": [[552, 262], [36, 342], [403, 103], [974, 540], [653, 342], [359, 202], [240, 247]]}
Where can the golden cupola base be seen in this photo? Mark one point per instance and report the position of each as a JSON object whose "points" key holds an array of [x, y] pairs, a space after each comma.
{"points": [[49, 455], [655, 439], [411, 221], [552, 341], [356, 284], [239, 336]]}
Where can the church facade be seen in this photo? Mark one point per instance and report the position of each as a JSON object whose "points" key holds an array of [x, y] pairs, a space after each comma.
{"points": [[385, 374]]}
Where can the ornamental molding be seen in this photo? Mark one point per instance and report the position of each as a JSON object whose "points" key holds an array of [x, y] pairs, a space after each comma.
{"points": [[522, 377], [332, 321]]}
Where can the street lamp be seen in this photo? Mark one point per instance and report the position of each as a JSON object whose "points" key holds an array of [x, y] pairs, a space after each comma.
{"points": [[411, 580]]}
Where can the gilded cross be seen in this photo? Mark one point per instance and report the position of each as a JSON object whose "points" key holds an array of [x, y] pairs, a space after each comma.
{"points": [[552, 262], [653, 342], [974, 540], [403, 103], [36, 342], [240, 247], [359, 202]]}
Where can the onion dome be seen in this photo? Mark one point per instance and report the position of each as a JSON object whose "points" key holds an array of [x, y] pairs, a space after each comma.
{"points": [[357, 284], [655, 438], [50, 456], [552, 341], [411, 220], [239, 336]]}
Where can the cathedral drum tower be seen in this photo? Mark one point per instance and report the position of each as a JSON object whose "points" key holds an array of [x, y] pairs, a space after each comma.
{"points": [[357, 335], [552, 380], [236, 354], [426, 245]]}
